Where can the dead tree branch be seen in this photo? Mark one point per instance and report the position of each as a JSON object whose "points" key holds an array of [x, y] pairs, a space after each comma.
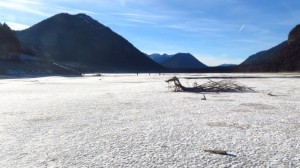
{"points": [[210, 86], [220, 152]]}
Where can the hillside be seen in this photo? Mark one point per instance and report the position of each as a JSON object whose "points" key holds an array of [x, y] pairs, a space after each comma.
{"points": [[8, 40], [283, 57], [265, 57], [17, 61], [160, 58], [183, 61], [80, 42]]}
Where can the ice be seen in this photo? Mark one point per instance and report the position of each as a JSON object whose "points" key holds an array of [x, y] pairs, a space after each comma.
{"points": [[125, 120]]}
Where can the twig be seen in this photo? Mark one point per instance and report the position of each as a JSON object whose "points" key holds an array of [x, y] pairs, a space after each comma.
{"points": [[220, 152], [270, 94]]}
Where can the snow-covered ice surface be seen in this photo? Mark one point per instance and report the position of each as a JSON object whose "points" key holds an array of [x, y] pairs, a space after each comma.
{"points": [[136, 121]]}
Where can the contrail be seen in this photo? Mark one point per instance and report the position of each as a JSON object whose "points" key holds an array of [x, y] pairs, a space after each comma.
{"points": [[242, 27]]}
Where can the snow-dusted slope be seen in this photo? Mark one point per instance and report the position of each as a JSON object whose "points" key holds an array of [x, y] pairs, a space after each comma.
{"points": [[136, 121]]}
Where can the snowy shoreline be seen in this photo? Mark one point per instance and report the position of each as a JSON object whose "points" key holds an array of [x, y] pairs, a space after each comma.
{"points": [[125, 120]]}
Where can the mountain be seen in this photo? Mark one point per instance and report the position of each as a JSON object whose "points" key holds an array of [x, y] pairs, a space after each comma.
{"points": [[283, 57], [82, 43], [183, 61], [8, 39], [265, 57], [227, 65], [15, 60], [159, 58]]}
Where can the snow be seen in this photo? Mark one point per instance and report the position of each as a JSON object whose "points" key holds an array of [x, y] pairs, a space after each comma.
{"points": [[125, 120]]}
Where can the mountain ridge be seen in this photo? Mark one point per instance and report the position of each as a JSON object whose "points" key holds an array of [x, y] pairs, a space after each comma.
{"points": [[178, 61], [18, 61], [82, 43], [282, 57], [159, 58]]}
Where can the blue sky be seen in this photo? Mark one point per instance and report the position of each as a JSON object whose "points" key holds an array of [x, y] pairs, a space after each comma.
{"points": [[215, 31]]}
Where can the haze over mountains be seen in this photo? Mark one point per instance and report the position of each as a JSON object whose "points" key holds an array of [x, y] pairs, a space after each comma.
{"points": [[68, 44], [227, 65], [178, 61]]}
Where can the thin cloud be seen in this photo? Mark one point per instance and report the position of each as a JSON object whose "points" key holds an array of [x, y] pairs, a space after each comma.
{"points": [[40, 9], [141, 21], [121, 24], [140, 15], [203, 26], [261, 42], [242, 27], [25, 6]]}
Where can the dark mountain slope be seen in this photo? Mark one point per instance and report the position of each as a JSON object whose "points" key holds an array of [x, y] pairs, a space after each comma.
{"points": [[15, 60], [80, 42], [8, 41], [265, 57], [183, 61], [283, 57], [159, 58]]}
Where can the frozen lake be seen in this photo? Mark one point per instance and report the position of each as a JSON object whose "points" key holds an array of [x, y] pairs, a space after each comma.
{"points": [[137, 121]]}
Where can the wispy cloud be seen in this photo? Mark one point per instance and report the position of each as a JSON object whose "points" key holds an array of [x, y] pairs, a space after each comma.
{"points": [[141, 21], [23, 6], [198, 26], [121, 24], [198, 29], [40, 8], [136, 15], [242, 27], [249, 41]]}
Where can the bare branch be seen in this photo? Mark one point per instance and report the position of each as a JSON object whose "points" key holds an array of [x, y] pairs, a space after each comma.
{"points": [[210, 86]]}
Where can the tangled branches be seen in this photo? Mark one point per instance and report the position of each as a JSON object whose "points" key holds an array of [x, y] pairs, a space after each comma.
{"points": [[210, 86]]}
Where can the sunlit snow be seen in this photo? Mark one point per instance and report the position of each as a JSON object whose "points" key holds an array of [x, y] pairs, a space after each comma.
{"points": [[137, 121]]}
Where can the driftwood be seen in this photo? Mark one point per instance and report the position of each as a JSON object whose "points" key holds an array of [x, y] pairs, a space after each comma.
{"points": [[210, 86], [270, 94], [220, 152]]}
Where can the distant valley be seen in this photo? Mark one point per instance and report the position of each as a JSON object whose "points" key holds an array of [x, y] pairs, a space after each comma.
{"points": [[227, 65]]}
